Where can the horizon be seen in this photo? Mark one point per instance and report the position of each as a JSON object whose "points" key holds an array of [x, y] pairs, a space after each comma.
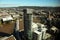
{"points": [[41, 3], [28, 6]]}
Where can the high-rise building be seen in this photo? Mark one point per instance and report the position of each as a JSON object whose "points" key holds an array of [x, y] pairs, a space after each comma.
{"points": [[28, 23]]}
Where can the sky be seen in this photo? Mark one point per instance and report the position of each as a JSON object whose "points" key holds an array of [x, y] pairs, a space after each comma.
{"points": [[16, 3]]}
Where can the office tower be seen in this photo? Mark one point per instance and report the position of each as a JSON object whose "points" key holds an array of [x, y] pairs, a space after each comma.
{"points": [[28, 23]]}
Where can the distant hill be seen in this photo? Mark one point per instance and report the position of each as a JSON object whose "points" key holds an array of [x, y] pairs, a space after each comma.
{"points": [[38, 7]]}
